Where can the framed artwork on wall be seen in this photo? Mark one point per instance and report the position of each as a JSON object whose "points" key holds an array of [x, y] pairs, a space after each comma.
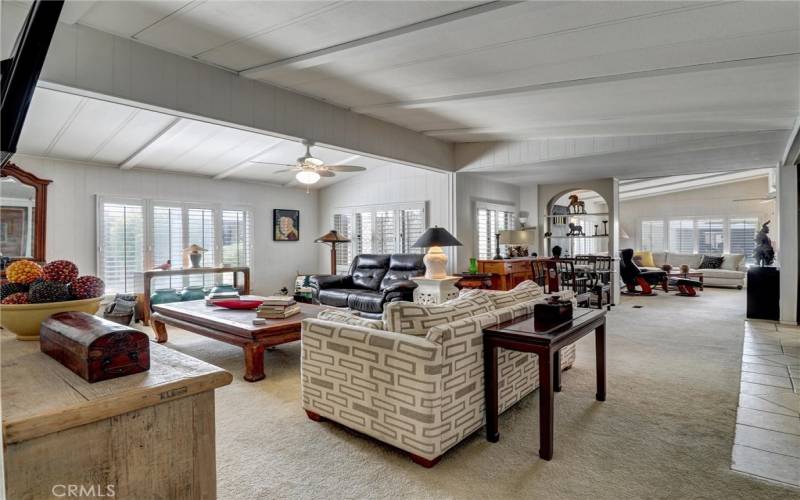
{"points": [[285, 225]]}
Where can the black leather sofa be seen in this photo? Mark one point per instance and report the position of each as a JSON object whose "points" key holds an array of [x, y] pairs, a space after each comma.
{"points": [[373, 280]]}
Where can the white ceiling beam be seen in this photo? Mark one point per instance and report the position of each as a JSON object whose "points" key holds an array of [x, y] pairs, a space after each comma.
{"points": [[540, 87], [176, 125], [792, 152], [377, 37], [244, 164]]}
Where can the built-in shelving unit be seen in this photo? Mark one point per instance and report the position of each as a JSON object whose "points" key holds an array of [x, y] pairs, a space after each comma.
{"points": [[592, 223]]}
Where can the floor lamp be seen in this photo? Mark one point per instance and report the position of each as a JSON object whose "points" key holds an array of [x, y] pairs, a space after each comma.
{"points": [[332, 238]]}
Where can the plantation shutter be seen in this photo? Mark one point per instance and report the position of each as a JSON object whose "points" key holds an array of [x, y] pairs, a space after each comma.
{"points": [[236, 240], [121, 251], [681, 236], [412, 225], [710, 236], [384, 233], [743, 232], [362, 240], [342, 225], [653, 235], [490, 222], [167, 243], [200, 231]]}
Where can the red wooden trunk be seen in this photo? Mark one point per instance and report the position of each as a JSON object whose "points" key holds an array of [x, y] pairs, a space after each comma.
{"points": [[94, 348]]}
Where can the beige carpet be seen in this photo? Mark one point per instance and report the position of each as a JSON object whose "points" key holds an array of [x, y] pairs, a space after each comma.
{"points": [[665, 431]]}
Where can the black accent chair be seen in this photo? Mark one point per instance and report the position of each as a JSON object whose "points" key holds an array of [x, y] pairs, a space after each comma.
{"points": [[373, 280], [632, 276]]}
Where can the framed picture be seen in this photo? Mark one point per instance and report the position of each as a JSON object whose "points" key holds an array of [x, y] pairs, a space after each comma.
{"points": [[285, 225]]}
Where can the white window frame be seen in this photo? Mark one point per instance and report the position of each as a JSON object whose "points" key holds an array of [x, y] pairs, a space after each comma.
{"points": [[484, 205], [394, 207], [148, 205], [726, 229]]}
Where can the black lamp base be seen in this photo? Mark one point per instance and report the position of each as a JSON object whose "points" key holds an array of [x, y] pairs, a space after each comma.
{"points": [[497, 255]]}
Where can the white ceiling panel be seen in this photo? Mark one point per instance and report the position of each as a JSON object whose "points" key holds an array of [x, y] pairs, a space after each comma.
{"points": [[126, 18], [48, 115], [141, 128], [93, 126]]}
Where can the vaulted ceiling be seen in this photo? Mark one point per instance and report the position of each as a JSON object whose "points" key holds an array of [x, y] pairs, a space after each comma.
{"points": [[71, 127], [675, 87]]}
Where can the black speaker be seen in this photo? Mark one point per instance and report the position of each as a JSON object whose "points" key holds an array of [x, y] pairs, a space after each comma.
{"points": [[763, 293]]}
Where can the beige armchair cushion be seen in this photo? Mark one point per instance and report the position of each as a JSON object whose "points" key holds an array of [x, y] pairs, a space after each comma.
{"points": [[417, 319], [524, 292], [349, 319]]}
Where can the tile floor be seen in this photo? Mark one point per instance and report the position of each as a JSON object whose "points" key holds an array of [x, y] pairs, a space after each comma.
{"points": [[767, 442]]}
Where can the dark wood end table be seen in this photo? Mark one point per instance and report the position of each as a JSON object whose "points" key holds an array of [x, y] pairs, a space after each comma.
{"points": [[522, 335], [232, 327]]}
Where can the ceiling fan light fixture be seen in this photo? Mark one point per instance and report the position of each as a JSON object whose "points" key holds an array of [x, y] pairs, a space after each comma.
{"points": [[307, 177]]}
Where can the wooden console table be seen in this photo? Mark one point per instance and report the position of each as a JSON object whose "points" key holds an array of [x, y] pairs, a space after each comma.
{"points": [[507, 273], [147, 435], [522, 335], [158, 273]]}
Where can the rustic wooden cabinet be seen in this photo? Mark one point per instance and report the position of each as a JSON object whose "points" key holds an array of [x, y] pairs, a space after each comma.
{"points": [[507, 273], [147, 435]]}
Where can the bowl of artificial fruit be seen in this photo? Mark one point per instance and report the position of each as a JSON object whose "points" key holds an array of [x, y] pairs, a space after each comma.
{"points": [[33, 293]]}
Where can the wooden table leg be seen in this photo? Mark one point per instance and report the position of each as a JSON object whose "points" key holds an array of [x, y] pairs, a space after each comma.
{"points": [[253, 361], [160, 330], [557, 371], [490, 391], [546, 405], [600, 353]]}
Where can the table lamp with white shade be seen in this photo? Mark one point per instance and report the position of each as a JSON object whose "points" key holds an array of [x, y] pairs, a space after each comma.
{"points": [[436, 260]]}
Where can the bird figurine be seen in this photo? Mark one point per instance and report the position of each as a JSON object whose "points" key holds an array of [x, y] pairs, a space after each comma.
{"points": [[166, 266]]}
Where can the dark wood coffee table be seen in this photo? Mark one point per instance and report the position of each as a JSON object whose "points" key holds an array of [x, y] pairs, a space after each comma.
{"points": [[233, 327], [522, 335]]}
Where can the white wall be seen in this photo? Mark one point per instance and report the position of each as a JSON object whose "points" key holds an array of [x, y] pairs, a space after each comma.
{"points": [[470, 189], [529, 202], [787, 251], [710, 201], [71, 213], [376, 186]]}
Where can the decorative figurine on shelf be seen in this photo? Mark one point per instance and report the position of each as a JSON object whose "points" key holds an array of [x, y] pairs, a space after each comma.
{"points": [[548, 234], [166, 266], [605, 228], [576, 206], [556, 251], [764, 253], [575, 230], [193, 253], [595, 230]]}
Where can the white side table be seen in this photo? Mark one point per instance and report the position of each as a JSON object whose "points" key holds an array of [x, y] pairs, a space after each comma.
{"points": [[435, 291]]}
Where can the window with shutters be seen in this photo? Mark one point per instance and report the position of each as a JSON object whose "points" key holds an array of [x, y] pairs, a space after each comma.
{"points": [[378, 229], [342, 224], [134, 235], [681, 236], [200, 231], [710, 236], [167, 243], [121, 246], [652, 237], [490, 220], [236, 240], [742, 236]]}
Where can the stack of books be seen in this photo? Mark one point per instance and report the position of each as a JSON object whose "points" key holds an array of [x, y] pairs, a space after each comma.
{"points": [[214, 297], [278, 307]]}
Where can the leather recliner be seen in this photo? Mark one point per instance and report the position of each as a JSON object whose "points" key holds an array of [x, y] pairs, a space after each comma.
{"points": [[632, 276], [372, 281]]}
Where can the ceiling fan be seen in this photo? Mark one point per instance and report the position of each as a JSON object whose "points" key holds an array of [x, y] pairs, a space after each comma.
{"points": [[309, 169]]}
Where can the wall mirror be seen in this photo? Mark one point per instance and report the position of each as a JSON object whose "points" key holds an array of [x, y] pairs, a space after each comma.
{"points": [[23, 213]]}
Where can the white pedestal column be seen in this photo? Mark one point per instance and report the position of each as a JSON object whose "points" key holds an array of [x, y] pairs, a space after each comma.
{"points": [[435, 291]]}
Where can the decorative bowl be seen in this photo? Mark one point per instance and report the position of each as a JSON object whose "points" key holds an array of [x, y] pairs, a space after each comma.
{"points": [[24, 320], [238, 304]]}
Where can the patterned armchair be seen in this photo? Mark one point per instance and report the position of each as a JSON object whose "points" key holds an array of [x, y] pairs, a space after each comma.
{"points": [[422, 394]]}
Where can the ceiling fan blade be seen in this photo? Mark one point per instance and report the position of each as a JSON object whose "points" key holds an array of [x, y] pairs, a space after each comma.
{"points": [[326, 173], [345, 168], [275, 164], [284, 171]]}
